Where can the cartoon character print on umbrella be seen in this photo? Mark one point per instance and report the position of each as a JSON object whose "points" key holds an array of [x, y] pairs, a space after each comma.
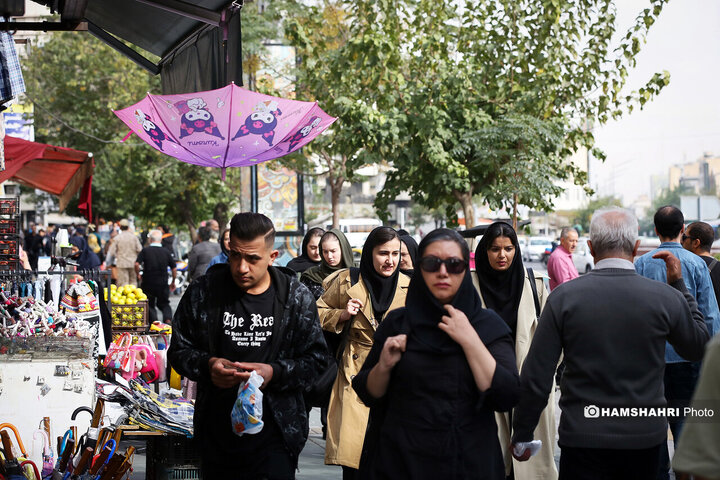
{"points": [[197, 118], [303, 132], [156, 135], [262, 121]]}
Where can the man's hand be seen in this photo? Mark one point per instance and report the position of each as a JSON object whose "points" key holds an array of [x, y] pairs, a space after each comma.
{"points": [[522, 458], [224, 373], [674, 267], [263, 369]]}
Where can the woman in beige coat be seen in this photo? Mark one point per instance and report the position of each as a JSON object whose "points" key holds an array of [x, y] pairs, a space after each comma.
{"points": [[504, 286], [359, 308]]}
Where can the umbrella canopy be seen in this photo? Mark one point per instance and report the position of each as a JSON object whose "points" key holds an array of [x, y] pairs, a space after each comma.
{"points": [[227, 127]]}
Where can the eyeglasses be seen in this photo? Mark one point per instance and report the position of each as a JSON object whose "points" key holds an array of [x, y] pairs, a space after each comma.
{"points": [[685, 237], [452, 265]]}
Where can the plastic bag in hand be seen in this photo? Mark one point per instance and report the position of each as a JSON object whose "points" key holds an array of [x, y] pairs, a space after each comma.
{"points": [[247, 412]]}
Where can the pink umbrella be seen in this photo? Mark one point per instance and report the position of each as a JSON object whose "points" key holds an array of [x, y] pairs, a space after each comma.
{"points": [[227, 127]]}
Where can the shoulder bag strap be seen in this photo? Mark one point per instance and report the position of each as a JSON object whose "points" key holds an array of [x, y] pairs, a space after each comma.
{"points": [[713, 264], [533, 287]]}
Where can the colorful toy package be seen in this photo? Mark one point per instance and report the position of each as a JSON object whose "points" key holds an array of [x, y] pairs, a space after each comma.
{"points": [[247, 412]]}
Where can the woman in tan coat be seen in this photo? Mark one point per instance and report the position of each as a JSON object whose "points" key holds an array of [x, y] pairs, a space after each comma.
{"points": [[359, 308], [504, 286]]}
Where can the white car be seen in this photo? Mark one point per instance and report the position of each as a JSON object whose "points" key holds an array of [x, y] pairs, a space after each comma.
{"points": [[581, 256], [536, 247]]}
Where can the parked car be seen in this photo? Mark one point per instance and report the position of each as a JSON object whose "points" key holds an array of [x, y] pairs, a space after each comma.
{"points": [[581, 256], [536, 248]]}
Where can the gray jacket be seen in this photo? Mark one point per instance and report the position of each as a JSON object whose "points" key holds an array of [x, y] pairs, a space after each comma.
{"points": [[200, 256], [611, 325]]}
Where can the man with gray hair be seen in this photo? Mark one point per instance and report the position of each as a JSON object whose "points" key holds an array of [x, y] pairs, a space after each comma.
{"points": [[155, 261], [560, 265], [611, 325]]}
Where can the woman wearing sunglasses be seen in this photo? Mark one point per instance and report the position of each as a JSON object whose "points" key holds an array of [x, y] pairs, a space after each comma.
{"points": [[357, 304], [439, 369], [505, 286]]}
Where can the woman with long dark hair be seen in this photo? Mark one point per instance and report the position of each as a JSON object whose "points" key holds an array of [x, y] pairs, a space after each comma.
{"points": [[437, 372], [335, 254], [355, 303], [506, 287], [309, 251]]}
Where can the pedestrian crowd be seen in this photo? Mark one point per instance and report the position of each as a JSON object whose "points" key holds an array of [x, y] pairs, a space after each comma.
{"points": [[424, 368]]}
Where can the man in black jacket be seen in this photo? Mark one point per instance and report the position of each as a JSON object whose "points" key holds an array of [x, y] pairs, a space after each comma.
{"points": [[611, 325], [242, 316]]}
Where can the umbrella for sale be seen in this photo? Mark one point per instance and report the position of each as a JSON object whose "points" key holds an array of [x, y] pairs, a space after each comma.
{"points": [[227, 127]]}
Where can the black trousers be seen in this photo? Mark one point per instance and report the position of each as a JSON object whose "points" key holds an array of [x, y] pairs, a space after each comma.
{"points": [[267, 465], [158, 296], [609, 464]]}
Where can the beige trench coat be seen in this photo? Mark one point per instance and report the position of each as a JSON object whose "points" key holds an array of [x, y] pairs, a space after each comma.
{"points": [[347, 416], [542, 465]]}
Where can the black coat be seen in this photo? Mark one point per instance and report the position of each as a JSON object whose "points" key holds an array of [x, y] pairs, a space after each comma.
{"points": [[433, 421], [297, 349]]}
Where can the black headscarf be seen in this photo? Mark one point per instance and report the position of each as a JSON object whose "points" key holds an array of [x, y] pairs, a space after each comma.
{"points": [[380, 288], [501, 290], [303, 262], [86, 258], [424, 311], [324, 270], [412, 247]]}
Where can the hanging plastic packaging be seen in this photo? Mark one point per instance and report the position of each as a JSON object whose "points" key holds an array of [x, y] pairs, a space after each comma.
{"points": [[247, 412]]}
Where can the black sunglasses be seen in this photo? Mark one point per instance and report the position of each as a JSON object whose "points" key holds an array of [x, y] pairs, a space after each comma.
{"points": [[685, 237], [452, 265]]}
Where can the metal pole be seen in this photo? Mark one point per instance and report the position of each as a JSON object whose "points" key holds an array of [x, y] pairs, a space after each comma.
{"points": [[253, 189]]}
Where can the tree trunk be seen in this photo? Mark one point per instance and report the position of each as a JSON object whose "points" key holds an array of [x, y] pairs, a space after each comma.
{"points": [[515, 205], [336, 185], [465, 199], [187, 217], [220, 214]]}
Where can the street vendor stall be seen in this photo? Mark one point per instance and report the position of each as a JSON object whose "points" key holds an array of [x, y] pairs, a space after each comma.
{"points": [[51, 350]]}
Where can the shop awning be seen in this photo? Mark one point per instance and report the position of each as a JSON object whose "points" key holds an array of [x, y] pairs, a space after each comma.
{"points": [[56, 170]]}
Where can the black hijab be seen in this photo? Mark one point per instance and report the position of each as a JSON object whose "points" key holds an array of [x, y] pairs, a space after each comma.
{"points": [[324, 270], [86, 258], [412, 247], [501, 290], [424, 311], [302, 262], [381, 289]]}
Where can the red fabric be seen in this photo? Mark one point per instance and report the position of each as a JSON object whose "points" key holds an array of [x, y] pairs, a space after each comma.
{"points": [[48, 168], [85, 202]]}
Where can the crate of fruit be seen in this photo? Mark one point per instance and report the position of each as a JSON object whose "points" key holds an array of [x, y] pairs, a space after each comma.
{"points": [[10, 206], [9, 226], [133, 316]]}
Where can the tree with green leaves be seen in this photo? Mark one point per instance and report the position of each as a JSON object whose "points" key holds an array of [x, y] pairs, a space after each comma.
{"points": [[496, 96], [74, 81], [348, 62]]}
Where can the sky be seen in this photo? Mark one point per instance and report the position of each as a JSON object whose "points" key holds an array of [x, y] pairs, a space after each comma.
{"points": [[680, 124]]}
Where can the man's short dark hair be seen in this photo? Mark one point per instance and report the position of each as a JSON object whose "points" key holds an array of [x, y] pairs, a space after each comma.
{"points": [[703, 232], [668, 221], [247, 226], [204, 234], [164, 228]]}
